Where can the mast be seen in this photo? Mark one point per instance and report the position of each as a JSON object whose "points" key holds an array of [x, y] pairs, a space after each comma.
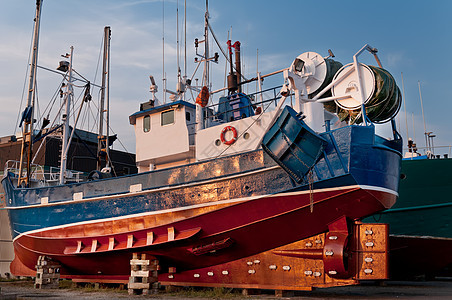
{"points": [[108, 101], [205, 80], [238, 66], [102, 145], [404, 108], [206, 46], [65, 120], [185, 43], [27, 117], [423, 118], [163, 52]]}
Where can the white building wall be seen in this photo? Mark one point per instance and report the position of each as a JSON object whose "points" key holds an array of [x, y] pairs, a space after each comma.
{"points": [[6, 245]]}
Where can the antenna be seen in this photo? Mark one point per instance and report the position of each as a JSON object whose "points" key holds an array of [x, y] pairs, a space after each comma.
{"points": [[423, 118], [163, 52], [153, 89], [177, 39], [185, 38], [185, 42]]}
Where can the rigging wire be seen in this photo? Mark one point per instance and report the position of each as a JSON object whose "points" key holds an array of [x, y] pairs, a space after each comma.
{"points": [[25, 81], [226, 69], [37, 111], [99, 58], [221, 49]]}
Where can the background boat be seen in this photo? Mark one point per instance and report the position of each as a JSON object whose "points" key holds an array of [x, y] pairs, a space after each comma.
{"points": [[420, 235]]}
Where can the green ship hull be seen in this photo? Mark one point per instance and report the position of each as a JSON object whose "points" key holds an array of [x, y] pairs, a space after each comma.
{"points": [[420, 221], [424, 207]]}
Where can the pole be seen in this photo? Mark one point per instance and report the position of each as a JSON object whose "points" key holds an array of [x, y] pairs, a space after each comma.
{"points": [[65, 119], [423, 118], [107, 97], [205, 80], [27, 129], [101, 136], [185, 44], [163, 52]]}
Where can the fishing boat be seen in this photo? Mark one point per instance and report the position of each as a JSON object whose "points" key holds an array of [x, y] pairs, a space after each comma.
{"points": [[222, 182]]}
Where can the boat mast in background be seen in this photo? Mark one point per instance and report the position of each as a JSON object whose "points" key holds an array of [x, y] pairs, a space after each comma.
{"points": [[423, 118], [65, 119], [27, 115], [103, 140], [404, 107], [428, 135]]}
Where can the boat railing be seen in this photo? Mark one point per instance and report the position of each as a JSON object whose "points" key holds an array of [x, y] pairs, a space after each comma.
{"points": [[37, 171], [39, 175], [71, 176], [260, 101], [435, 152]]}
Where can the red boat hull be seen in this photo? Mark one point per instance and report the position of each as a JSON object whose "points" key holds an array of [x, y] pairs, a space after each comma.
{"points": [[196, 237]]}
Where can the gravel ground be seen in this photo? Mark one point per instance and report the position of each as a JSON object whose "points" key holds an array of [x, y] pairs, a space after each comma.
{"points": [[438, 289]]}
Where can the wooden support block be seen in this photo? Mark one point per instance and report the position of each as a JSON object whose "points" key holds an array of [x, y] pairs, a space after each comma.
{"points": [[140, 281], [250, 292], [47, 273], [139, 273], [283, 293], [138, 285], [172, 288], [138, 291]]}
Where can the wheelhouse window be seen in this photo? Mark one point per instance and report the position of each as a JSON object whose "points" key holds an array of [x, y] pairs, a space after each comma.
{"points": [[168, 117], [147, 123]]}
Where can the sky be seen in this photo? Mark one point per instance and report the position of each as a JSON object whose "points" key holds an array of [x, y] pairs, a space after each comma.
{"points": [[413, 38]]}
